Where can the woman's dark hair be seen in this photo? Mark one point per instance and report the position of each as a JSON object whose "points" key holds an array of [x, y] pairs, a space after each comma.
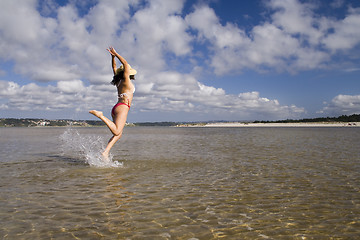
{"points": [[118, 77]]}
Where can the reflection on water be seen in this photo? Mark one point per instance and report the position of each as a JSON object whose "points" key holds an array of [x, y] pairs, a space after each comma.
{"points": [[181, 183]]}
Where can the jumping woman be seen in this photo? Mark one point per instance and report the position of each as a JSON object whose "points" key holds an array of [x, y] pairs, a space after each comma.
{"points": [[125, 89]]}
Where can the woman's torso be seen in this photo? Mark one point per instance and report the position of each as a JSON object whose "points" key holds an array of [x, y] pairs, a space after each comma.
{"points": [[125, 92]]}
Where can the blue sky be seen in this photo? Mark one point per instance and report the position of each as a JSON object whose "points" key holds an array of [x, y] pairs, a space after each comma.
{"points": [[196, 60]]}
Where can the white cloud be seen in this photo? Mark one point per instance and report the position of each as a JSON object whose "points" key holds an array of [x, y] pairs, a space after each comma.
{"points": [[178, 92], [346, 34], [292, 40], [74, 86], [271, 46], [20, 22], [343, 105], [294, 17], [152, 32], [207, 23], [72, 46], [8, 89], [66, 48], [67, 95]]}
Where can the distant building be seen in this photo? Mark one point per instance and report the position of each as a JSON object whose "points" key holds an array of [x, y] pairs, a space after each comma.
{"points": [[44, 123]]}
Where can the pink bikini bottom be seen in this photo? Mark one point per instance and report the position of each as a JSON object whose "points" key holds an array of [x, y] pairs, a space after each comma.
{"points": [[113, 109]]}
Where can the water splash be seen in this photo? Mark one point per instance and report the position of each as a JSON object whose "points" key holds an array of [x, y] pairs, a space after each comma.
{"points": [[86, 147]]}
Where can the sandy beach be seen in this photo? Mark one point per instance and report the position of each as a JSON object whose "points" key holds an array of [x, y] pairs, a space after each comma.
{"points": [[310, 124]]}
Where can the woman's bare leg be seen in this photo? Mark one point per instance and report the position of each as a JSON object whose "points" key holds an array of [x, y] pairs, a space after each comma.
{"points": [[116, 126], [111, 143], [111, 125]]}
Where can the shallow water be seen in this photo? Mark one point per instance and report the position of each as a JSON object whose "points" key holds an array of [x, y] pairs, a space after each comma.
{"points": [[180, 183]]}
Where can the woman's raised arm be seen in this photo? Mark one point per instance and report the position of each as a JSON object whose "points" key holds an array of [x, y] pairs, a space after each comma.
{"points": [[113, 64], [113, 53]]}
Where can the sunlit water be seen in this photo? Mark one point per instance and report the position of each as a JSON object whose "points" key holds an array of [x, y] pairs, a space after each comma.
{"points": [[180, 183]]}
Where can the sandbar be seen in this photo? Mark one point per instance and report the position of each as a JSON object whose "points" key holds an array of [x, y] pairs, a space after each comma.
{"points": [[250, 124]]}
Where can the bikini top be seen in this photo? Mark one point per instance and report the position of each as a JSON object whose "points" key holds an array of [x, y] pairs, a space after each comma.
{"points": [[125, 94]]}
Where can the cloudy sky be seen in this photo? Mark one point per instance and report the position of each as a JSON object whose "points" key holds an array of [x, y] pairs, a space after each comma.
{"points": [[196, 59]]}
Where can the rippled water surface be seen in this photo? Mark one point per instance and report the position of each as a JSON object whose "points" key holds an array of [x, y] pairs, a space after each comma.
{"points": [[180, 183]]}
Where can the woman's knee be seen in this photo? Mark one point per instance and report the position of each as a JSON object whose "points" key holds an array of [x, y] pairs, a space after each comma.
{"points": [[118, 133]]}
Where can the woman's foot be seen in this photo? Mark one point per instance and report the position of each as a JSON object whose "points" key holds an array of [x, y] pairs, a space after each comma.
{"points": [[96, 113], [105, 157]]}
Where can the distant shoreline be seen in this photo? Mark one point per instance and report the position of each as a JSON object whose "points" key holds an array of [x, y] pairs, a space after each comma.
{"points": [[341, 121], [301, 124]]}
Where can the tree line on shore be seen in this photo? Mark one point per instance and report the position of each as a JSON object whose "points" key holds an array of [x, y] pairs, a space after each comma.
{"points": [[33, 122], [342, 118]]}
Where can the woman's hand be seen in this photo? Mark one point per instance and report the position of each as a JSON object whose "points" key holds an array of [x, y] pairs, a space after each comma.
{"points": [[112, 51]]}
